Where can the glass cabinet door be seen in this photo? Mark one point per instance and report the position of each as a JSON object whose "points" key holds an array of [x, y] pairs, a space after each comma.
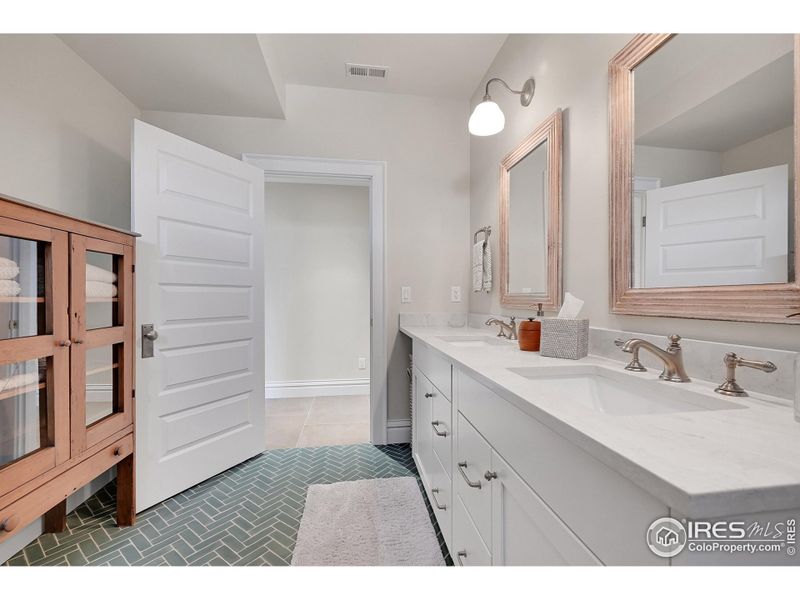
{"points": [[34, 351], [101, 315]]}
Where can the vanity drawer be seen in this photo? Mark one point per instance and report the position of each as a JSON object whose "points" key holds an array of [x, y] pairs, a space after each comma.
{"points": [[441, 498], [442, 430], [435, 366], [468, 549], [473, 459], [608, 512]]}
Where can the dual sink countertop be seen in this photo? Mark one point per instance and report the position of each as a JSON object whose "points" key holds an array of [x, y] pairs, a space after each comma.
{"points": [[700, 453]]}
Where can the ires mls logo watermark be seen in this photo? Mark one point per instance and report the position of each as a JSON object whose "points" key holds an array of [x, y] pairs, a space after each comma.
{"points": [[668, 537]]}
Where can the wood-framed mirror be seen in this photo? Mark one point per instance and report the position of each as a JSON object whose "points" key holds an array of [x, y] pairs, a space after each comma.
{"points": [[704, 214], [530, 219]]}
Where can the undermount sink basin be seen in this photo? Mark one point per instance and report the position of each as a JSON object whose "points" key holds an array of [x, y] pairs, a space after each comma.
{"points": [[612, 393], [473, 341]]}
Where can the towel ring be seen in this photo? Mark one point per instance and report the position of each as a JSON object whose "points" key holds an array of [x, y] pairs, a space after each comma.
{"points": [[486, 231]]}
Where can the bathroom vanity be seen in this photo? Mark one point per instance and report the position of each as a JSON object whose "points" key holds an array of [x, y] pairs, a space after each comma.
{"points": [[536, 461]]}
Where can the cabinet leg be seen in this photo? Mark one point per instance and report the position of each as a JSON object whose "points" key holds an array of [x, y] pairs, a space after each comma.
{"points": [[55, 519], [126, 492]]}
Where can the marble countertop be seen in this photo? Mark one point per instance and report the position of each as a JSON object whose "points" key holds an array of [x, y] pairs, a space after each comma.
{"points": [[699, 463]]}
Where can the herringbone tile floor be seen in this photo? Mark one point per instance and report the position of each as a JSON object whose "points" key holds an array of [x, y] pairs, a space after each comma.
{"points": [[248, 515]]}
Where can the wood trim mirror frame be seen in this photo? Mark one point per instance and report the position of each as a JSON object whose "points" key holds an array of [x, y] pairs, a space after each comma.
{"points": [[550, 131], [765, 303]]}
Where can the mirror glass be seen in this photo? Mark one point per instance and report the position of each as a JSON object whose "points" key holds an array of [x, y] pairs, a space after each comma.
{"points": [[527, 223], [713, 177]]}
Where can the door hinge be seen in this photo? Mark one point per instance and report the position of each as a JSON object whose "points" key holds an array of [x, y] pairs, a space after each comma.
{"points": [[133, 268], [133, 394], [644, 221]]}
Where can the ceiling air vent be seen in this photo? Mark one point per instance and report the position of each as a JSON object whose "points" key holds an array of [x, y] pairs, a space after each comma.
{"points": [[354, 70]]}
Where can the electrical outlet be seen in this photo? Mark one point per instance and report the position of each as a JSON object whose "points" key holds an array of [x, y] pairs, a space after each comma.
{"points": [[362, 362], [455, 293], [405, 295]]}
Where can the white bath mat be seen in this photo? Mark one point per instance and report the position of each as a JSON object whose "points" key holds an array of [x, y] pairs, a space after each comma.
{"points": [[367, 522]]}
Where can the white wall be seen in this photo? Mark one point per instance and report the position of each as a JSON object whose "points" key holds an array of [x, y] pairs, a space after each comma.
{"points": [[64, 144], [317, 281], [66, 131], [676, 165], [424, 142], [572, 72]]}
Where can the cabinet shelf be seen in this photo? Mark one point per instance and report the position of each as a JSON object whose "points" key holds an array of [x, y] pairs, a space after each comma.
{"points": [[18, 391], [20, 299], [102, 369], [99, 299]]}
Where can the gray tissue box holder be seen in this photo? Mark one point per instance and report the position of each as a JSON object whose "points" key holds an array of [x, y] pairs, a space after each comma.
{"points": [[565, 338]]}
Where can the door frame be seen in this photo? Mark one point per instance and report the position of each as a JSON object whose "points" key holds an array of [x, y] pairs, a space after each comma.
{"points": [[365, 173]]}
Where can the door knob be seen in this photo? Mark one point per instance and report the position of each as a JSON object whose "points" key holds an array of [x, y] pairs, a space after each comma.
{"points": [[149, 335]]}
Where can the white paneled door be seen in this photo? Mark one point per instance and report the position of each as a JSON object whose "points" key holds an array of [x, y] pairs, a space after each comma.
{"points": [[725, 230], [200, 283]]}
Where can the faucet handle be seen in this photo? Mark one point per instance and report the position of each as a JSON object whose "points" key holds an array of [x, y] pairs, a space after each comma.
{"points": [[674, 341]]}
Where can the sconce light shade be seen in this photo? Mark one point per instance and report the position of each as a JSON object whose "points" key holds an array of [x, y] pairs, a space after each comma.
{"points": [[486, 119]]}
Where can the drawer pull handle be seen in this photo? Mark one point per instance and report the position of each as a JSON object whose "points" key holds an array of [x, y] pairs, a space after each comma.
{"points": [[472, 484], [117, 450], [459, 555], [428, 395], [489, 475], [439, 433], [65, 343], [77, 341], [9, 523], [435, 491]]}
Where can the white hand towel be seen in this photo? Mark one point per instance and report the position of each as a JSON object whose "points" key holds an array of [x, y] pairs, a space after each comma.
{"points": [[8, 268], [487, 267], [9, 288], [100, 289], [477, 267], [97, 274]]}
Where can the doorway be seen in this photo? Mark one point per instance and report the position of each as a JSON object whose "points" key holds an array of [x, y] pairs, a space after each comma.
{"points": [[295, 177], [316, 258]]}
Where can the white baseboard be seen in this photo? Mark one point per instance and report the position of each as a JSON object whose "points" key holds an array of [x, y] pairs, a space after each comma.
{"points": [[325, 387], [398, 431]]}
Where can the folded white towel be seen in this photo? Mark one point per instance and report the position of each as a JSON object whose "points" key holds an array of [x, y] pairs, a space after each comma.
{"points": [[487, 267], [100, 289], [97, 274], [481, 267], [9, 288], [18, 381], [8, 268], [477, 267]]}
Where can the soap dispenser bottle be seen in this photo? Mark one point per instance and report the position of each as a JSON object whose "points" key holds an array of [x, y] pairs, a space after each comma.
{"points": [[530, 332]]}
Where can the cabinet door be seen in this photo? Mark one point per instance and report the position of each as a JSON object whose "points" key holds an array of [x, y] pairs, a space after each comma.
{"points": [[101, 326], [473, 461], [34, 353], [423, 409], [525, 532]]}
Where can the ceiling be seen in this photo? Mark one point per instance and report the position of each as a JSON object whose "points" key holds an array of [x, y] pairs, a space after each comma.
{"points": [[439, 65], [245, 74], [220, 74], [712, 92]]}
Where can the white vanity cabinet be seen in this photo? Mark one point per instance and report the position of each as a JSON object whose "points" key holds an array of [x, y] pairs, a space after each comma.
{"points": [[506, 490], [433, 433]]}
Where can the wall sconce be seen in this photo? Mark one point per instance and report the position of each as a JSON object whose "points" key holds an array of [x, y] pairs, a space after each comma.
{"points": [[487, 118]]}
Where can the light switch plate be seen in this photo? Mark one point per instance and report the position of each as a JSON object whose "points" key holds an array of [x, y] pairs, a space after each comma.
{"points": [[405, 294], [455, 293], [362, 362]]}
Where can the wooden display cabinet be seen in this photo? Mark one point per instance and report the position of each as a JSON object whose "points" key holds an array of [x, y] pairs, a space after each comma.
{"points": [[66, 363]]}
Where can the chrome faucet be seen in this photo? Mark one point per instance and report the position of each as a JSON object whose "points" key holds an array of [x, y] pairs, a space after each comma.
{"points": [[672, 357], [729, 387], [511, 327]]}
